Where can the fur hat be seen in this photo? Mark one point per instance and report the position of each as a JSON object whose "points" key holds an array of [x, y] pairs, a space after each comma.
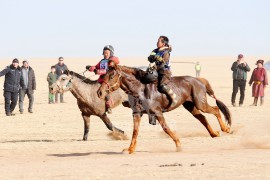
{"points": [[260, 61]]}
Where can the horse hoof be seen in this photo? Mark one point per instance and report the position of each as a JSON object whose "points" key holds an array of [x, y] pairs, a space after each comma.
{"points": [[216, 134], [227, 130], [178, 149], [127, 151]]}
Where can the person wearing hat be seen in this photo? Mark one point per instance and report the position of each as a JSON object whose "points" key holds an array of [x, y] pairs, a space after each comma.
{"points": [[29, 80], [12, 84], [259, 80], [240, 69], [101, 69], [60, 68]]}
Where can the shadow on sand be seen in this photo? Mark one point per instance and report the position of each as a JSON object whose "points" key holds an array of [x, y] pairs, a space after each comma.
{"points": [[83, 154], [39, 140]]}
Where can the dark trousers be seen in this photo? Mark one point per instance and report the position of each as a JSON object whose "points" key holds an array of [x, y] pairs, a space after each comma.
{"points": [[61, 97], [11, 99], [239, 84], [22, 94]]}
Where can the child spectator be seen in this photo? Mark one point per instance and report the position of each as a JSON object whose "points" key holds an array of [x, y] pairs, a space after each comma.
{"points": [[51, 78]]}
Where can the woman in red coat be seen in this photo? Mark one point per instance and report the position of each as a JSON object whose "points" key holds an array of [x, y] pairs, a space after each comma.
{"points": [[259, 80]]}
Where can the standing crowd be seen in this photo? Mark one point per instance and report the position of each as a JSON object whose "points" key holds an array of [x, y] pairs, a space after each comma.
{"points": [[21, 81]]}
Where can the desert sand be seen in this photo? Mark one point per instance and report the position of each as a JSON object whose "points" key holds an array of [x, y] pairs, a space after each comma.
{"points": [[47, 144]]}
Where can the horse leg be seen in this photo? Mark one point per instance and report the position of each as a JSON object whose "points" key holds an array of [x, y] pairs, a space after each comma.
{"points": [[167, 130], [111, 127], [215, 110], [86, 119], [197, 114], [136, 124]]}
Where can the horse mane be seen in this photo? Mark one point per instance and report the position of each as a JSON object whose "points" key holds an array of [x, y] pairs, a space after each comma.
{"points": [[138, 73], [83, 78]]}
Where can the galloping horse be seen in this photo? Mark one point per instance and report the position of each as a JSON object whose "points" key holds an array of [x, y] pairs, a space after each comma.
{"points": [[190, 91], [84, 90]]}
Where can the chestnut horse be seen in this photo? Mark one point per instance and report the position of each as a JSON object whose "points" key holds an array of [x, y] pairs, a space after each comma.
{"points": [[190, 91]]}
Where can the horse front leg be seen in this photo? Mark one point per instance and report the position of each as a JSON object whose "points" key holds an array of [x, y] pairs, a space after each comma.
{"points": [[136, 125], [86, 120], [167, 130]]}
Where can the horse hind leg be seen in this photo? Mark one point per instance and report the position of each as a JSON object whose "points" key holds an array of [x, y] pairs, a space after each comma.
{"points": [[215, 111], [197, 114], [117, 132]]}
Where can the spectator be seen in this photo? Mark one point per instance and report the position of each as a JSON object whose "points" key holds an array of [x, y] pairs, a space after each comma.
{"points": [[259, 80], [29, 80], [51, 78], [198, 69], [240, 69], [13, 81], [60, 68]]}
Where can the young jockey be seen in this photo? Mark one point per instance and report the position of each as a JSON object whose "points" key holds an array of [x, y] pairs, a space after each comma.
{"points": [[101, 69], [161, 58]]}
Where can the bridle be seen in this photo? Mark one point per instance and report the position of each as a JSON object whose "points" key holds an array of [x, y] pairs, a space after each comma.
{"points": [[109, 87]]}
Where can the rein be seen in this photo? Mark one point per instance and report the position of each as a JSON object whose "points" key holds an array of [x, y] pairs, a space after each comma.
{"points": [[115, 84]]}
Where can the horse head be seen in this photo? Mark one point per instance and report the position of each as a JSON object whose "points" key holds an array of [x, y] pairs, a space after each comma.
{"points": [[63, 84], [111, 81]]}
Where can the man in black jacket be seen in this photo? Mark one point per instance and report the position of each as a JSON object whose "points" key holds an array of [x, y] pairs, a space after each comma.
{"points": [[60, 68], [13, 81], [240, 69], [29, 79]]}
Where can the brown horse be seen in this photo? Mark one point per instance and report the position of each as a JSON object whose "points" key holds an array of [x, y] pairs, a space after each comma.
{"points": [[190, 91], [84, 90]]}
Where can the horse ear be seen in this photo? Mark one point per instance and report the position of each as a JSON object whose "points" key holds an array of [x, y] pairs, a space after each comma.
{"points": [[112, 65], [66, 72]]}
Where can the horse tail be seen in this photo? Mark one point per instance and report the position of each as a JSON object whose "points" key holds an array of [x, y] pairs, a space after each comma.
{"points": [[225, 111], [223, 108]]}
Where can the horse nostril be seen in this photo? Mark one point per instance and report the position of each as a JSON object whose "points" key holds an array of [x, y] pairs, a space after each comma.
{"points": [[99, 93], [51, 88]]}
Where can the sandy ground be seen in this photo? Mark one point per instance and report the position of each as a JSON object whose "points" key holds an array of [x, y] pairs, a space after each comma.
{"points": [[47, 144]]}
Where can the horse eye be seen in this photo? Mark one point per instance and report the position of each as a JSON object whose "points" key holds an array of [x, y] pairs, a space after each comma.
{"points": [[63, 79]]}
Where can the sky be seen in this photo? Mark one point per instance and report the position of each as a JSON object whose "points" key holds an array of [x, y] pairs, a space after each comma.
{"points": [[81, 28]]}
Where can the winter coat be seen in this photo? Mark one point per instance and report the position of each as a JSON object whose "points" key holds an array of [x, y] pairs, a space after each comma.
{"points": [[259, 80], [13, 78], [31, 80], [59, 69], [240, 71], [51, 78]]}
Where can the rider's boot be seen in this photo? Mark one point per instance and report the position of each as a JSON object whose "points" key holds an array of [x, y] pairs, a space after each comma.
{"points": [[170, 94], [109, 104]]}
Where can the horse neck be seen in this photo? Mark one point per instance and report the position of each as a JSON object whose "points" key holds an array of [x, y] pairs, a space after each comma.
{"points": [[130, 82], [80, 89]]}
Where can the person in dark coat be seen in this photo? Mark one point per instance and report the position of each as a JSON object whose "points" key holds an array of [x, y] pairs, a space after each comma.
{"points": [[29, 79], [13, 81], [60, 68], [240, 69], [259, 80]]}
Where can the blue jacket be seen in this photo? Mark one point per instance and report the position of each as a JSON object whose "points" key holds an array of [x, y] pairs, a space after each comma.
{"points": [[13, 79]]}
